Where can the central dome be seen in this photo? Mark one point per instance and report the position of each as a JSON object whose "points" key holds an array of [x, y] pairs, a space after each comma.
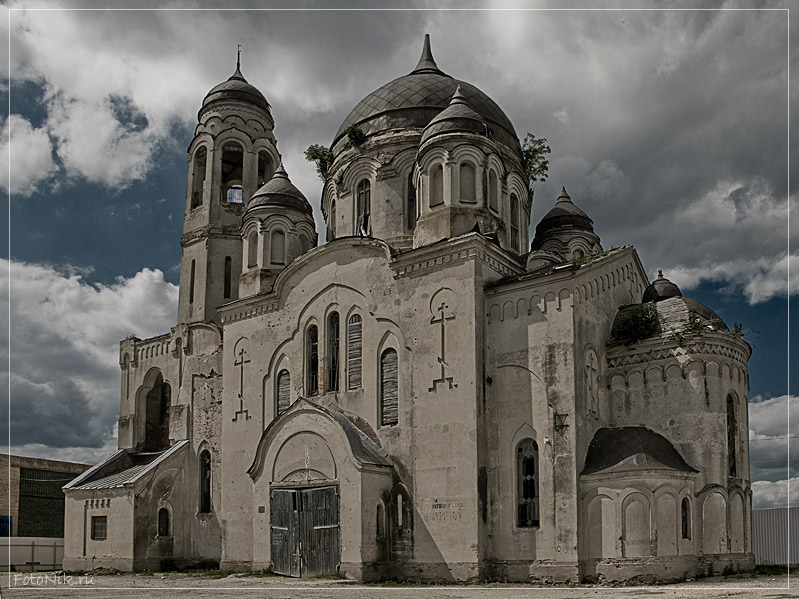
{"points": [[412, 101]]}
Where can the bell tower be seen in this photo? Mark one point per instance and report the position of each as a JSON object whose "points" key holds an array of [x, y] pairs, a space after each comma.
{"points": [[232, 155]]}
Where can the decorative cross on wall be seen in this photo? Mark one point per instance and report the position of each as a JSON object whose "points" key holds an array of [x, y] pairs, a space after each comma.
{"points": [[241, 362], [444, 315]]}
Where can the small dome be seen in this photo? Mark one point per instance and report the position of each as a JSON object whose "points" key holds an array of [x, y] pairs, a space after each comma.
{"points": [[564, 214], [236, 88], [280, 191], [457, 117], [413, 100], [660, 289]]}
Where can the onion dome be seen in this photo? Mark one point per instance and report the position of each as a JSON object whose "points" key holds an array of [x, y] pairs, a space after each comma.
{"points": [[412, 101], [280, 191], [660, 289], [457, 117], [236, 88], [564, 214]]}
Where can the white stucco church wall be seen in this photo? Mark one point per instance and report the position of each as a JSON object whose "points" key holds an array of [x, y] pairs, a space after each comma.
{"points": [[430, 394]]}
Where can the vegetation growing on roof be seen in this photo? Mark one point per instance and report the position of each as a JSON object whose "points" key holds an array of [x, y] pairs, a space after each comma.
{"points": [[534, 159], [355, 136], [636, 323], [323, 158]]}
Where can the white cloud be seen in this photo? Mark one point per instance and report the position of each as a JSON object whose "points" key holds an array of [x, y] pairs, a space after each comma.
{"points": [[767, 494], [772, 439], [562, 116], [29, 153], [64, 346]]}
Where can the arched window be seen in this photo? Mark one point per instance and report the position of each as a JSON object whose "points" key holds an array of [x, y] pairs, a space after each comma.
{"points": [[156, 417], [228, 276], [198, 186], [514, 222], [354, 351], [493, 190], [252, 249], [331, 227], [732, 437], [388, 388], [191, 283], [163, 522], [436, 185], [411, 204], [263, 167], [232, 173], [685, 518], [278, 248], [305, 243], [467, 180], [312, 361], [332, 351], [527, 483], [364, 192], [205, 482], [283, 391]]}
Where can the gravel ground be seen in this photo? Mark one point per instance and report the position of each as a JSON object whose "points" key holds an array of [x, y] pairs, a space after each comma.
{"points": [[173, 586]]}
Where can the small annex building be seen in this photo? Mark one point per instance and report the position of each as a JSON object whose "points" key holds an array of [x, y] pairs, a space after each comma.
{"points": [[430, 394]]}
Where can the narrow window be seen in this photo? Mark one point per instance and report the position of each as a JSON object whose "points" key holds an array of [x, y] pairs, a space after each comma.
{"points": [[283, 391], [278, 247], [198, 187], [305, 243], [400, 522], [411, 203], [514, 223], [437, 185], [312, 357], [467, 180], [205, 482], [99, 528], [163, 522], [685, 521], [379, 526], [364, 192], [331, 228], [354, 351], [191, 283], [332, 351], [493, 190], [232, 173], [263, 168], [252, 249], [527, 483], [388, 387], [732, 437], [228, 276]]}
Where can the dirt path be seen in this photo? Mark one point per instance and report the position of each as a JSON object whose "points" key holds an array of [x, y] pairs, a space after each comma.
{"points": [[175, 586]]}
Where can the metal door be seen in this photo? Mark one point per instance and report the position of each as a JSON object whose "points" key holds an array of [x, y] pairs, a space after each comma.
{"points": [[305, 531]]}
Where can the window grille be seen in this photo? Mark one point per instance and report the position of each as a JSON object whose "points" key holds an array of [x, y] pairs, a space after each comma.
{"points": [[388, 387], [527, 483], [354, 351], [99, 528]]}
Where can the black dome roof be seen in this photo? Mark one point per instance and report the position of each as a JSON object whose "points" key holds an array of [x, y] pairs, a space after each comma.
{"points": [[236, 88], [280, 191], [412, 101], [564, 214], [660, 289]]}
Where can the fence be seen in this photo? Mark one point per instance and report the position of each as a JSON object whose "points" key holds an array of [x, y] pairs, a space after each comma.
{"points": [[772, 529], [31, 554]]}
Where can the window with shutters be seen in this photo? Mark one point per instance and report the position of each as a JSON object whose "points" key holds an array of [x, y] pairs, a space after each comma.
{"points": [[388, 388], [514, 223], [332, 351], [312, 361], [354, 351], [527, 483], [283, 391]]}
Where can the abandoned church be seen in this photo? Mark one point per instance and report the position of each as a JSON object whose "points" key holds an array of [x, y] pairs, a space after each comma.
{"points": [[430, 394]]}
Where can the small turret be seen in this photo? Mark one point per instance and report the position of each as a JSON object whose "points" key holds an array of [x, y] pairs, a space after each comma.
{"points": [[566, 231]]}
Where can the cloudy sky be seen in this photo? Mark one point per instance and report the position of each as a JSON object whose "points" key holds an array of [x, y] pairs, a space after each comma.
{"points": [[668, 127]]}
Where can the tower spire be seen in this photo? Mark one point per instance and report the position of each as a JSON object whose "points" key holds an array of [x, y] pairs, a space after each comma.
{"points": [[426, 62], [238, 59]]}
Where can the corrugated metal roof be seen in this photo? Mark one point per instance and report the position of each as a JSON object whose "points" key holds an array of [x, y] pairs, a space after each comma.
{"points": [[128, 476]]}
